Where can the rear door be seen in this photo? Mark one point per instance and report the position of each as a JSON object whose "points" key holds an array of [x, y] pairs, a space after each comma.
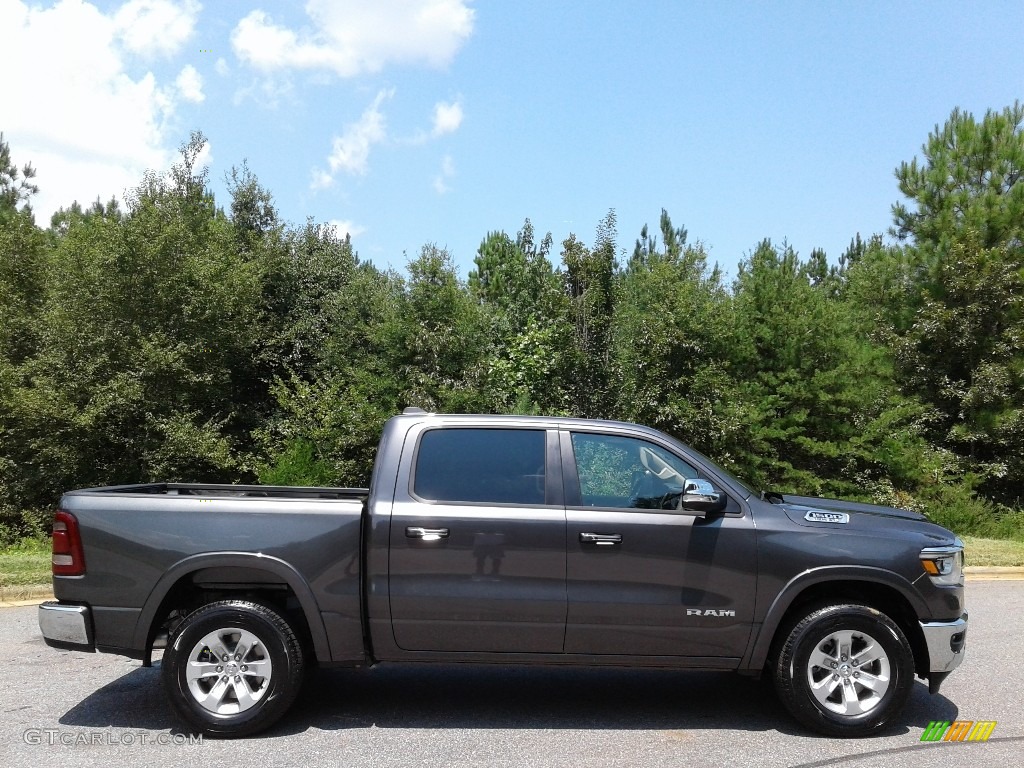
{"points": [[477, 542], [643, 578]]}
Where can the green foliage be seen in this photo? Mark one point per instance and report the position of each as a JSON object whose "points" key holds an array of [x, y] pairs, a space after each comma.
{"points": [[673, 347], [16, 185], [171, 339], [589, 283], [529, 336], [297, 464], [22, 527], [146, 327], [442, 332], [960, 343], [970, 180], [825, 415]]}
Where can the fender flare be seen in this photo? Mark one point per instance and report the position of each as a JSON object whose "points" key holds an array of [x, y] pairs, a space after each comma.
{"points": [[253, 561], [761, 642]]}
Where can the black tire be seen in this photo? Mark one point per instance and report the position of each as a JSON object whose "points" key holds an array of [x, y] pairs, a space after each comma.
{"points": [[250, 682], [844, 670]]}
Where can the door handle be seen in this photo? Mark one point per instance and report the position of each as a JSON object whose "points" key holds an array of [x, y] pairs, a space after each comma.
{"points": [[601, 539], [426, 534]]}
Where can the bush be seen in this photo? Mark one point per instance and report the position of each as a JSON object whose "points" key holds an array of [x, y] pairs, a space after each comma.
{"points": [[956, 507], [21, 526], [959, 509], [297, 464], [1010, 525]]}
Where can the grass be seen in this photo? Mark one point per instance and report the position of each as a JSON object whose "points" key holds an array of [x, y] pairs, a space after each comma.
{"points": [[25, 570], [1001, 552]]}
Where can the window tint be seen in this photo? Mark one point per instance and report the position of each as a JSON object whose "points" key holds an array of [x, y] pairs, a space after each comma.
{"points": [[624, 472], [502, 466]]}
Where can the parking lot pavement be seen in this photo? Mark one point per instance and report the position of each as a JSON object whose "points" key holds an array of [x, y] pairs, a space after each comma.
{"points": [[62, 708]]}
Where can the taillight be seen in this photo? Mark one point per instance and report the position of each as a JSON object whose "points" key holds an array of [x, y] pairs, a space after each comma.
{"points": [[68, 558]]}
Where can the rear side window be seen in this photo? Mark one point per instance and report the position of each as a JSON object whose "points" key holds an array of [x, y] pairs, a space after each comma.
{"points": [[498, 466]]}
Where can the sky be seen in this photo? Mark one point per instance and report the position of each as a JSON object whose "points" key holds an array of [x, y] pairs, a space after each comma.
{"points": [[415, 122]]}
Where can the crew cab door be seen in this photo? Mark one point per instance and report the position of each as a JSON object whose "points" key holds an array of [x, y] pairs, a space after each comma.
{"points": [[477, 541], [643, 577]]}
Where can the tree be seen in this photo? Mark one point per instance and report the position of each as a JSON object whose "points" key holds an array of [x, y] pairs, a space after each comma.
{"points": [[16, 186], [589, 279], [23, 268], [147, 334], [822, 406], [22, 261], [529, 334], [646, 248], [442, 337], [960, 341], [672, 336]]}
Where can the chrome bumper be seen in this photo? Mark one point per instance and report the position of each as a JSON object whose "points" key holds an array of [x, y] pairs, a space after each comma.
{"points": [[946, 642], [66, 626]]}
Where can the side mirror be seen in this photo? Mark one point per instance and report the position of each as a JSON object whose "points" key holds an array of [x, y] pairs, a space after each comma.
{"points": [[700, 497]]}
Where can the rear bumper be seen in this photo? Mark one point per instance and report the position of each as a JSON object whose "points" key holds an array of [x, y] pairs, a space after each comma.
{"points": [[67, 626], [947, 642]]}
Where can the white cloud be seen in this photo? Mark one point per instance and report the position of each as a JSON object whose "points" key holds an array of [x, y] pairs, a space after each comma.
{"points": [[222, 67], [156, 27], [344, 226], [321, 180], [447, 118], [265, 92], [98, 128], [350, 37], [190, 85], [350, 152], [447, 173]]}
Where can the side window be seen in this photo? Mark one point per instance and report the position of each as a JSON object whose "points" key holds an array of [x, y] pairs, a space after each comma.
{"points": [[628, 473], [498, 466]]}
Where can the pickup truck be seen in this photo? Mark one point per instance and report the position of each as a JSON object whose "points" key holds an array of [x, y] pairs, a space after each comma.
{"points": [[509, 539]]}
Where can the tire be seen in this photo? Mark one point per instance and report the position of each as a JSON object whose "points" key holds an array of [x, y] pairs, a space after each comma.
{"points": [[844, 670], [232, 668]]}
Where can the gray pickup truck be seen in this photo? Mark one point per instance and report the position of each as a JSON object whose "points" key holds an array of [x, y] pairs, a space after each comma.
{"points": [[510, 539]]}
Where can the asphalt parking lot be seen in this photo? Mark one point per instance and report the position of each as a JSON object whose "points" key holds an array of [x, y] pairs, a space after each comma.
{"points": [[69, 708]]}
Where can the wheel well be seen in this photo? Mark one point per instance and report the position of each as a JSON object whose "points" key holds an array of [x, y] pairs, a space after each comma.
{"points": [[878, 596], [208, 585]]}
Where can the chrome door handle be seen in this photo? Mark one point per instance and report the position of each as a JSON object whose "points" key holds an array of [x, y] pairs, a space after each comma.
{"points": [[426, 534], [601, 539]]}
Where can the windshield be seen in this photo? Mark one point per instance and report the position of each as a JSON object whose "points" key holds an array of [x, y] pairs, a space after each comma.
{"points": [[721, 470]]}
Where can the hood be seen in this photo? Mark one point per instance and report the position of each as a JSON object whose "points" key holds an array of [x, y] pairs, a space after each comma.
{"points": [[836, 505]]}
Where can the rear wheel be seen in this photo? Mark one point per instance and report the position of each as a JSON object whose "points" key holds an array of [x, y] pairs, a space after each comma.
{"points": [[232, 668], [845, 670]]}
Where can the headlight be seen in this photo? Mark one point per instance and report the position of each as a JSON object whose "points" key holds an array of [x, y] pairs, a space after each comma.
{"points": [[945, 565]]}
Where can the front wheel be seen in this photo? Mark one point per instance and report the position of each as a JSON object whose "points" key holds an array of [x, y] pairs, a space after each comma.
{"points": [[845, 670], [232, 668]]}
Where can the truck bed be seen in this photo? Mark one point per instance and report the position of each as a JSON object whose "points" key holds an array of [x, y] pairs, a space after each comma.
{"points": [[145, 542]]}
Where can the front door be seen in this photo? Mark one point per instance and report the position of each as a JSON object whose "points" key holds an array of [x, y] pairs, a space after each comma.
{"points": [[643, 578], [477, 543]]}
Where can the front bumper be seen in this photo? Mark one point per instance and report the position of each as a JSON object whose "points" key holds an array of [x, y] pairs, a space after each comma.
{"points": [[946, 642], [66, 626]]}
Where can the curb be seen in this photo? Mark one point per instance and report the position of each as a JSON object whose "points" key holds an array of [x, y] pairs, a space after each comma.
{"points": [[24, 603], [19, 598], [993, 572]]}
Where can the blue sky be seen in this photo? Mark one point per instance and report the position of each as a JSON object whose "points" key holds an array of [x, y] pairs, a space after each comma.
{"points": [[438, 121]]}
